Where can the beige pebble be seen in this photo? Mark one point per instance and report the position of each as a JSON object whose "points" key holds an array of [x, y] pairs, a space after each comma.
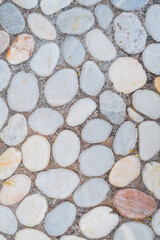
{"points": [[157, 84]]}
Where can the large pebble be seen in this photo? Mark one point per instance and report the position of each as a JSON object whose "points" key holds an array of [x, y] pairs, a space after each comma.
{"points": [[128, 5], [60, 219], [134, 204], [104, 16], [3, 112], [4, 41], [98, 222], [49, 7], [134, 116], [70, 237], [88, 2], [15, 189], [23, 93], [61, 87], [26, 4], [75, 21], [31, 234], [155, 223], [57, 183], [99, 46], [45, 59], [127, 75], [96, 160], [5, 74], [8, 221]]}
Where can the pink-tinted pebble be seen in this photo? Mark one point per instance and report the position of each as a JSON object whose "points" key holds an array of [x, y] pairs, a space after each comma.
{"points": [[4, 41]]}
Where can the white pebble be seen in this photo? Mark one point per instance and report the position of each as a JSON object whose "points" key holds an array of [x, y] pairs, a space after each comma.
{"points": [[31, 234], [8, 221], [2, 237], [49, 7], [70, 237], [26, 4], [134, 116], [88, 2], [3, 112], [129, 5], [5, 75], [155, 223], [104, 16]]}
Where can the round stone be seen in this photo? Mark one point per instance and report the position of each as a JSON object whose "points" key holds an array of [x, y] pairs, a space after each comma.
{"points": [[31, 210], [60, 219], [127, 75], [8, 221], [66, 148], [128, 5], [31, 234], [99, 46], [157, 84], [96, 161], [15, 189], [23, 93], [155, 223], [61, 87], [36, 153], [88, 2], [2, 237], [57, 183], [3, 112], [5, 74], [70, 237], [4, 41], [98, 222], [92, 79], [26, 4], [104, 16], [49, 7], [134, 116]]}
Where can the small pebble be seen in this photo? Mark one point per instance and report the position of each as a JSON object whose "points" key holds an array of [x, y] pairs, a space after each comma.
{"points": [[128, 5], [26, 4], [157, 84], [104, 16], [88, 2], [31, 234], [70, 237], [3, 112], [49, 7], [155, 223], [5, 75], [134, 116], [1, 236], [4, 41], [8, 221]]}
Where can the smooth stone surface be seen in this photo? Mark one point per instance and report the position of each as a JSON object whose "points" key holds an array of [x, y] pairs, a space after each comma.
{"points": [[129, 33], [125, 139], [16, 130], [99, 46], [134, 204], [134, 116], [75, 21], [8, 221], [128, 5], [23, 92], [98, 222], [127, 75], [155, 222], [49, 7], [104, 16], [3, 112], [96, 160], [5, 75], [4, 41], [57, 183], [70, 237], [15, 189], [60, 219], [113, 107], [157, 84], [88, 2], [66, 148], [92, 78], [2, 237], [45, 59], [125, 171], [96, 131], [31, 234], [11, 18], [80, 111], [26, 4], [41, 27], [61, 87]]}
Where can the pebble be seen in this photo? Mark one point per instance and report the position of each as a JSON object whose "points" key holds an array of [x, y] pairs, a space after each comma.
{"points": [[1, 1], [4, 41], [125, 171], [66, 148], [5, 75], [31, 234], [45, 121], [70, 237], [57, 183], [36, 153], [96, 131], [26, 4], [96, 161], [80, 111], [16, 130], [15, 189], [157, 84], [60, 219], [49, 7], [98, 222], [128, 5], [8, 221], [88, 2], [155, 223], [3, 112], [92, 78], [99, 46], [104, 16], [125, 138], [11, 18], [134, 116], [9, 162], [45, 59], [149, 139], [73, 51], [134, 204], [31, 210], [127, 75], [75, 21], [61, 87], [129, 34], [41, 27], [2, 237], [23, 92], [113, 107], [91, 193]]}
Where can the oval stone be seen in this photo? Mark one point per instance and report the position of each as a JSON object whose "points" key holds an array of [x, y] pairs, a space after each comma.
{"points": [[31, 234], [155, 223], [5, 74], [104, 16], [8, 221], [128, 5], [26, 4], [3, 112], [4, 41], [134, 116], [88, 2], [49, 7]]}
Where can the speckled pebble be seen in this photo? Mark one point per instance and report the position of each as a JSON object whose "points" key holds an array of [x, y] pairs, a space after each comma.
{"points": [[49, 7], [8, 221], [104, 16], [128, 5]]}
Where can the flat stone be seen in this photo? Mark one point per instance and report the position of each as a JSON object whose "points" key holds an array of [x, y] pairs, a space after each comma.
{"points": [[61, 87], [8, 221], [15, 189], [80, 111], [149, 139], [3, 112], [49, 7], [26, 4], [125, 171], [104, 16], [99, 46], [128, 5], [88, 2], [134, 204], [70, 237], [2, 237], [98, 222], [16, 130], [11, 18], [96, 161], [60, 219], [66, 148], [45, 59], [57, 183], [113, 107], [134, 116], [157, 84], [92, 78], [23, 93], [31, 234], [127, 75], [45, 121], [4, 41], [5, 75], [155, 223]]}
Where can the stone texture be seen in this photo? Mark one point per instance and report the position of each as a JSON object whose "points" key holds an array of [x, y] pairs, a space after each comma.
{"points": [[49, 7], [134, 116], [26, 4], [104, 16], [88, 2], [8, 221], [4, 41], [5, 74], [3, 112], [155, 222], [31, 234], [128, 5]]}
